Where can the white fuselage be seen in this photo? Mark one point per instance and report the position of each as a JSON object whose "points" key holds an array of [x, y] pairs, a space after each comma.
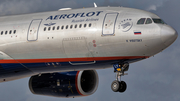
{"points": [[81, 38]]}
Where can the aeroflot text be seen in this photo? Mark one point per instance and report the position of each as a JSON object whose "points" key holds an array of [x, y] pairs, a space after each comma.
{"points": [[72, 15]]}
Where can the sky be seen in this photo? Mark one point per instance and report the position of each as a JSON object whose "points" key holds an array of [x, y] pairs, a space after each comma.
{"points": [[153, 79]]}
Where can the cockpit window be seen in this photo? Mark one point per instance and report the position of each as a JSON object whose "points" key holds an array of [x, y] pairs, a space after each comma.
{"points": [[148, 21], [159, 21], [141, 21]]}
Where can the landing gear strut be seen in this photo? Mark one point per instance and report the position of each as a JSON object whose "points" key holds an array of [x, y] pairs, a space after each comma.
{"points": [[119, 85]]}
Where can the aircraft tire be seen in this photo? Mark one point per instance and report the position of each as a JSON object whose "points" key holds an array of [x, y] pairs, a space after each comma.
{"points": [[122, 86], [115, 86]]}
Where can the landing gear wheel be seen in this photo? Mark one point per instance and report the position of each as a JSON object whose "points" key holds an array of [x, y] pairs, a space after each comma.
{"points": [[122, 86], [119, 85], [115, 86]]}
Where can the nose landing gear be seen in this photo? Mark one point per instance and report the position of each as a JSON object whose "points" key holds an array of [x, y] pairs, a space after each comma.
{"points": [[119, 85]]}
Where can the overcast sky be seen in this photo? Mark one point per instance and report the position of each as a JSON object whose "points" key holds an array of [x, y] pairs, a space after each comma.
{"points": [[153, 79]]}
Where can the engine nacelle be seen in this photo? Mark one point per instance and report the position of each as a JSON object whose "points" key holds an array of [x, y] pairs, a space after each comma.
{"points": [[66, 84]]}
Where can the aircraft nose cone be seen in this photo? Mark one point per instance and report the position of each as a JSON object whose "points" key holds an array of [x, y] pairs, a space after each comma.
{"points": [[168, 35]]}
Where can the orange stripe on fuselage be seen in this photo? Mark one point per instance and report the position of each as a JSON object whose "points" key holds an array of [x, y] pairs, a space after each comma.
{"points": [[70, 59]]}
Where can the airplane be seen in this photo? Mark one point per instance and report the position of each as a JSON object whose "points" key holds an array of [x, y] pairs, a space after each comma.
{"points": [[61, 50]]}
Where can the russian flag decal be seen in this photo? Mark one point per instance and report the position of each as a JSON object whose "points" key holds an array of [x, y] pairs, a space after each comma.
{"points": [[137, 33]]}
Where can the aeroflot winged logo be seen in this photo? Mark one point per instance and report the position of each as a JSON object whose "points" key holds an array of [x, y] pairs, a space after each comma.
{"points": [[74, 15], [50, 24]]}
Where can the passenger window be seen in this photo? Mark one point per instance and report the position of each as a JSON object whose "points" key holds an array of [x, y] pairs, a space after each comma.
{"points": [[54, 28], [75, 26], [66, 26], [71, 26], [2, 33], [14, 31], [10, 32], [6, 32], [148, 21], [62, 27], [80, 25], [84, 25], [44, 28], [58, 28], [49, 28], [90, 25], [141, 21]]}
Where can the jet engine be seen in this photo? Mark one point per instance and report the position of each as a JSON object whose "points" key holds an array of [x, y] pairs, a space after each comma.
{"points": [[65, 84]]}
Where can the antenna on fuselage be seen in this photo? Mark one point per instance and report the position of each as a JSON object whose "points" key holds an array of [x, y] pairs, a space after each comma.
{"points": [[95, 5]]}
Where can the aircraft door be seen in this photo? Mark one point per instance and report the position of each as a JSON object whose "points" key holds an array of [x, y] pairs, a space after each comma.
{"points": [[33, 30], [77, 48], [109, 24]]}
